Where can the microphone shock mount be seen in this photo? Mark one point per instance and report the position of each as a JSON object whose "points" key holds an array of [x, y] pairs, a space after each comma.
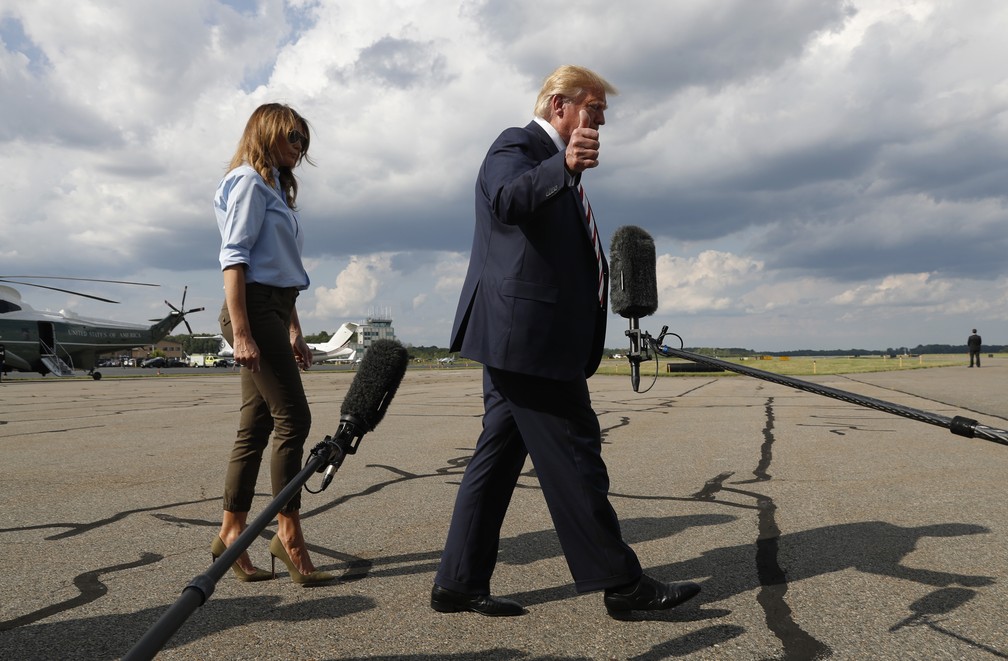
{"points": [[332, 450]]}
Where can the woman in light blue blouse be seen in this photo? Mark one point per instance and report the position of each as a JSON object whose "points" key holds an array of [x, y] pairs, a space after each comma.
{"points": [[260, 257]]}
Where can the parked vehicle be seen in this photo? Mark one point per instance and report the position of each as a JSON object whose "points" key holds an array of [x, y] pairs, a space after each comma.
{"points": [[202, 360]]}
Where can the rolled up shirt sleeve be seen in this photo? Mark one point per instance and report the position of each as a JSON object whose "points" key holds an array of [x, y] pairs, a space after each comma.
{"points": [[241, 209], [258, 230]]}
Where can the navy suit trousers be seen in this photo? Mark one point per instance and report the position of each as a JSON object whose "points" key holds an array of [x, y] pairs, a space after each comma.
{"points": [[553, 423]]}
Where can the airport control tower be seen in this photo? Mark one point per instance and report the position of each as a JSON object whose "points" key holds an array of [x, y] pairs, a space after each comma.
{"points": [[377, 326]]}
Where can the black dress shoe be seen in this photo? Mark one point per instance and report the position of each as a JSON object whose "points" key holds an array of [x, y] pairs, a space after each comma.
{"points": [[444, 600], [649, 595]]}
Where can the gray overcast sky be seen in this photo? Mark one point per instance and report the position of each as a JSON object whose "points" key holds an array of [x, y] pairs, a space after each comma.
{"points": [[816, 173]]}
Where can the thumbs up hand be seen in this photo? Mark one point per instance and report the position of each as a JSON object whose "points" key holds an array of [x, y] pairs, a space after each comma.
{"points": [[583, 147]]}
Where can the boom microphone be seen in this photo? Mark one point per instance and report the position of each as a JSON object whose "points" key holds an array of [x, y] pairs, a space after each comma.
{"points": [[634, 286], [364, 405], [368, 397]]}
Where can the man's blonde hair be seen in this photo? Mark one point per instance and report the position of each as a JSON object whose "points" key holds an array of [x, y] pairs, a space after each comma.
{"points": [[569, 82]]}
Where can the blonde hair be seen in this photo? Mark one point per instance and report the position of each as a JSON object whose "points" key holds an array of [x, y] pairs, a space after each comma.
{"points": [[569, 82], [260, 142]]}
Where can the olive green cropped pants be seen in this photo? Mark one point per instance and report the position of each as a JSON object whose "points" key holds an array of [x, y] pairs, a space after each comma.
{"points": [[273, 401]]}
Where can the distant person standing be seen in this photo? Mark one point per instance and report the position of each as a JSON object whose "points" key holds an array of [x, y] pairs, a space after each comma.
{"points": [[974, 342]]}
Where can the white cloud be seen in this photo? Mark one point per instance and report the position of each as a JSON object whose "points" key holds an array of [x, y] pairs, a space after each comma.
{"points": [[903, 289], [355, 287], [705, 282]]}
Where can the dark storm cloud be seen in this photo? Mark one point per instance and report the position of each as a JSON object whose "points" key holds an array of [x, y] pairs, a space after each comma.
{"points": [[943, 242], [390, 225], [194, 250], [810, 164], [712, 210], [401, 63], [970, 164], [682, 45], [34, 111]]}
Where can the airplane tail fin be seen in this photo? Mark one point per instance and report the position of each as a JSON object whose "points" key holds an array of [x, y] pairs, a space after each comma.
{"points": [[340, 338]]}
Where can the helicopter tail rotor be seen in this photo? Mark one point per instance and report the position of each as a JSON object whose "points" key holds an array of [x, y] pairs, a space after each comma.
{"points": [[182, 311]]}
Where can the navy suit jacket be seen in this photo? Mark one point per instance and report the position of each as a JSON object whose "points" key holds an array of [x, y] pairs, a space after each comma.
{"points": [[529, 303]]}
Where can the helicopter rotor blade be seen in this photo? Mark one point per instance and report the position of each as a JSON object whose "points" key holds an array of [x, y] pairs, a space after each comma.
{"points": [[57, 277], [20, 280], [65, 291], [187, 321]]}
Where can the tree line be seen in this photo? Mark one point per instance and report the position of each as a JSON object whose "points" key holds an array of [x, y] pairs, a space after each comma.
{"points": [[736, 352]]}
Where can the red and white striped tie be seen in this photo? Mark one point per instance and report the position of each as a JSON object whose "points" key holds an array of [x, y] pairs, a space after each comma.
{"points": [[596, 245]]}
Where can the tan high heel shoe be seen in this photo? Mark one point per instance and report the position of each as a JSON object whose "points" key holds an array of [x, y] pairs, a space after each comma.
{"points": [[277, 551], [217, 549]]}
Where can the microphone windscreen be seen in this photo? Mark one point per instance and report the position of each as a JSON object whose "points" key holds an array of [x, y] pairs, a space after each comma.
{"points": [[377, 379], [632, 273]]}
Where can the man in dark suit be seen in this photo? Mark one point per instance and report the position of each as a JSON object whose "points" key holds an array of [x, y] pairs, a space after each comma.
{"points": [[973, 342], [533, 312]]}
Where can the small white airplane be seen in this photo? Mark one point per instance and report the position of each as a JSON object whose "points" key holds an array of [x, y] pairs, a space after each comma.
{"points": [[336, 349], [333, 350], [223, 349], [447, 360]]}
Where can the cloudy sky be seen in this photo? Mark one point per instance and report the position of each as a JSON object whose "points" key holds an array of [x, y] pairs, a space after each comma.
{"points": [[815, 173]]}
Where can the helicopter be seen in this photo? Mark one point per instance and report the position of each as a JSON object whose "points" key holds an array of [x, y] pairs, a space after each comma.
{"points": [[60, 343]]}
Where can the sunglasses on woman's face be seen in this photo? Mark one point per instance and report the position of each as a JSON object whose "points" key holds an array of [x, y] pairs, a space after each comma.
{"points": [[297, 137]]}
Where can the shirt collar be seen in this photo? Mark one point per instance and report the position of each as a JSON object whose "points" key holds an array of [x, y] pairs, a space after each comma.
{"points": [[552, 132]]}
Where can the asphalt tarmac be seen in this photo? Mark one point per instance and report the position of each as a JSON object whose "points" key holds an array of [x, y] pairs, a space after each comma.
{"points": [[817, 528]]}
